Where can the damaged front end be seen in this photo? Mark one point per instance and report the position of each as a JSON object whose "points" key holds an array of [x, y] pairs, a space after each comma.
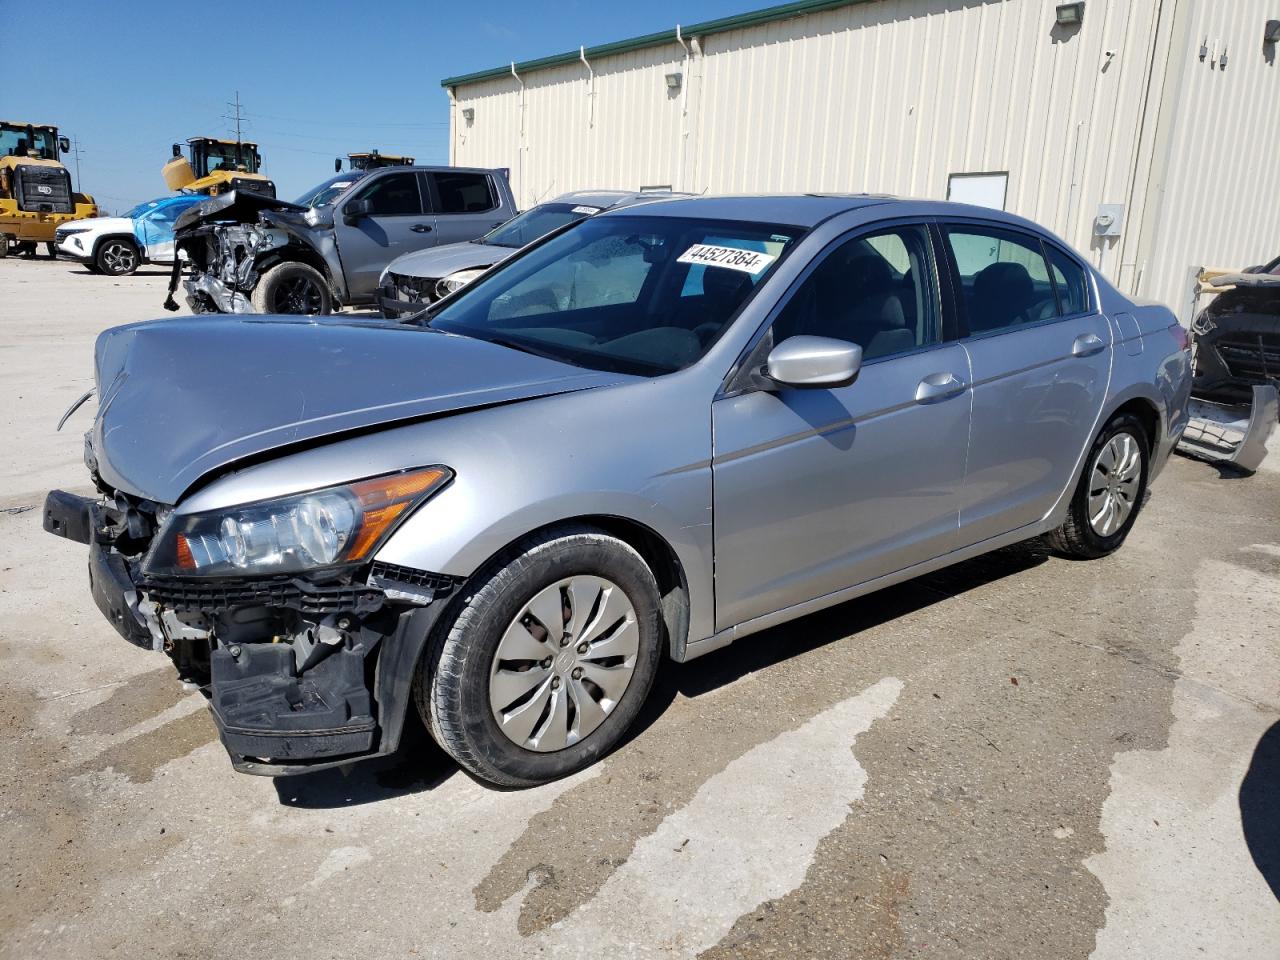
{"points": [[226, 244], [1235, 403], [302, 669]]}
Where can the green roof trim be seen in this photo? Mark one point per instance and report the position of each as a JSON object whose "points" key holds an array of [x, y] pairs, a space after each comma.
{"points": [[782, 11]]}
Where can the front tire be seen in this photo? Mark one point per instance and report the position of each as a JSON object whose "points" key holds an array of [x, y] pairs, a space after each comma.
{"points": [[548, 659], [117, 257], [1110, 492], [292, 288]]}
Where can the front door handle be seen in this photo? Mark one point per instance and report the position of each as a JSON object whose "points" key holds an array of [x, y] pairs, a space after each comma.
{"points": [[421, 228], [939, 386], [1086, 345]]}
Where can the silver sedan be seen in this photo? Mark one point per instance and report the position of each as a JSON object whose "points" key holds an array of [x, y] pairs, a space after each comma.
{"points": [[659, 430]]}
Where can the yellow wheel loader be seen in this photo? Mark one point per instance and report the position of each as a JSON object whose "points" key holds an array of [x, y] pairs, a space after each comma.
{"points": [[371, 161], [35, 188], [213, 166]]}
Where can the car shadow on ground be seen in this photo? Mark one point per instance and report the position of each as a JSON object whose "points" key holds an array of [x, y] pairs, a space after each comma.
{"points": [[419, 764], [1260, 808]]}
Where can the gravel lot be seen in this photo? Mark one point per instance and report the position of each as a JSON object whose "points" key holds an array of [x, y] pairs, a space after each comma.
{"points": [[1018, 757]]}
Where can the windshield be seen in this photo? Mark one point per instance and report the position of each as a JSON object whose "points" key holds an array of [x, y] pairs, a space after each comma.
{"points": [[325, 193], [139, 210], [532, 224], [13, 143], [222, 156], [640, 295]]}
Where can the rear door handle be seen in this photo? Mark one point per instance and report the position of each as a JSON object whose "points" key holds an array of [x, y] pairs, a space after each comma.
{"points": [[421, 228], [1086, 345], [939, 386]]}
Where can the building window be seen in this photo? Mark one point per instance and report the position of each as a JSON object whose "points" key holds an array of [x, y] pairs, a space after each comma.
{"points": [[979, 189]]}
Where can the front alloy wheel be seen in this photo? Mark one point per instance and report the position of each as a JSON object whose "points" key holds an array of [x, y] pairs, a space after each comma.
{"points": [[544, 658], [564, 663], [117, 258]]}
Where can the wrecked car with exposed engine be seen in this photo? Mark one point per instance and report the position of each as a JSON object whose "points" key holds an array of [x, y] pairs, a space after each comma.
{"points": [[1236, 389], [244, 252], [646, 435]]}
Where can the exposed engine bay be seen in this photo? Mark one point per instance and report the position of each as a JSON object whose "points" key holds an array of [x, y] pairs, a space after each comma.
{"points": [[226, 245]]}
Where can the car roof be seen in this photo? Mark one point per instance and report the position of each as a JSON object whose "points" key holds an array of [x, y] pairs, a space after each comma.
{"points": [[809, 209]]}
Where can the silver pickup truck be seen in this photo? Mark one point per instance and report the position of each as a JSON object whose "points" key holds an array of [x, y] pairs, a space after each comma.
{"points": [[249, 253]]}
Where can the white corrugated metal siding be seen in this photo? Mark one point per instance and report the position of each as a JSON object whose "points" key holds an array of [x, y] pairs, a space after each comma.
{"points": [[896, 95], [1217, 203]]}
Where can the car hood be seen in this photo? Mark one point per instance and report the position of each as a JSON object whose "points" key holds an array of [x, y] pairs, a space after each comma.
{"points": [[437, 262], [184, 398], [104, 224], [238, 206]]}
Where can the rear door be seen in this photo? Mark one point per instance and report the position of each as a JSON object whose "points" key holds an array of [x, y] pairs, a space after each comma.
{"points": [[1041, 360], [399, 222], [466, 205]]}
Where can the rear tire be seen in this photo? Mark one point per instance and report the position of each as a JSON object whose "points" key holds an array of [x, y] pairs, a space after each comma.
{"points": [[117, 257], [293, 288], [51, 251], [579, 681], [1109, 496], [4, 247]]}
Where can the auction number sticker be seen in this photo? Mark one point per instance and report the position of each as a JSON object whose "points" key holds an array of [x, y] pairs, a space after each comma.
{"points": [[733, 258], [588, 211]]}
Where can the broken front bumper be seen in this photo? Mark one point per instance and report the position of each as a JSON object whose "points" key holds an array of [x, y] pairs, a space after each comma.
{"points": [[272, 717]]}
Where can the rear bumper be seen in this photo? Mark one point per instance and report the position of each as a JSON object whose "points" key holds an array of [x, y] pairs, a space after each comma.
{"points": [[272, 719]]}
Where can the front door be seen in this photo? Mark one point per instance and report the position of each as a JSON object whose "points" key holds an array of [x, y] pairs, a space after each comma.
{"points": [[397, 224], [1041, 362], [816, 490]]}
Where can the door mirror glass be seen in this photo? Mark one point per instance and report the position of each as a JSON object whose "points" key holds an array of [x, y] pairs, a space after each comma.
{"points": [[64, 144], [805, 361], [177, 150]]}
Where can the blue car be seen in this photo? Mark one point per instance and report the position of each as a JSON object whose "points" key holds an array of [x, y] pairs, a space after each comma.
{"points": [[117, 246]]}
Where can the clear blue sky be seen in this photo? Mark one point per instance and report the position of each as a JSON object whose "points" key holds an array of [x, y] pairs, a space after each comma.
{"points": [[317, 79]]}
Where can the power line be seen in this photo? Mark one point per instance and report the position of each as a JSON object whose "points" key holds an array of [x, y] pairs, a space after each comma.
{"points": [[348, 123]]}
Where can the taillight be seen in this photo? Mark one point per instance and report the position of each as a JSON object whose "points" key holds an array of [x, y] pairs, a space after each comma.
{"points": [[1180, 336]]}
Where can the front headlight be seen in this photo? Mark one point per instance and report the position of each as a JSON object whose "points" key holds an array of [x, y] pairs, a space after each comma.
{"points": [[305, 531], [456, 281]]}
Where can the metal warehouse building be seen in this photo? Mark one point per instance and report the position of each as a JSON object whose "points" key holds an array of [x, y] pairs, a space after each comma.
{"points": [[1145, 132]]}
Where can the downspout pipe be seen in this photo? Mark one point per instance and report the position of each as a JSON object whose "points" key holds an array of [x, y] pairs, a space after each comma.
{"points": [[685, 80], [591, 87], [520, 151]]}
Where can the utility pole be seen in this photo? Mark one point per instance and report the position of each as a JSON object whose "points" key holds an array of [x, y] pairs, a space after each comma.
{"points": [[236, 106], [75, 148]]}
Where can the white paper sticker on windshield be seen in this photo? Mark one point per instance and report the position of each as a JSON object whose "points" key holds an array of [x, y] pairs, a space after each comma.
{"points": [[748, 261], [341, 184], [586, 211]]}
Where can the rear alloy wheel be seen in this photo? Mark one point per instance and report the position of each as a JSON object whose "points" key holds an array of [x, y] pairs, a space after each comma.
{"points": [[117, 257], [1107, 499], [547, 659], [293, 288]]}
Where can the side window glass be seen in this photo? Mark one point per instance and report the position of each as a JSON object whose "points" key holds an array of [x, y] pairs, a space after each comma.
{"points": [[464, 192], [394, 195], [876, 290], [1069, 278], [1004, 278]]}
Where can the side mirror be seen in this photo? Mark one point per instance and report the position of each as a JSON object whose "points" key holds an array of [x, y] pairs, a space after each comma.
{"points": [[814, 362], [177, 150], [337, 164], [356, 209], [64, 144]]}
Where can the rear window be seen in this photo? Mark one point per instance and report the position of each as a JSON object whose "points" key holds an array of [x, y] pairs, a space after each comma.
{"points": [[1069, 279], [464, 193]]}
